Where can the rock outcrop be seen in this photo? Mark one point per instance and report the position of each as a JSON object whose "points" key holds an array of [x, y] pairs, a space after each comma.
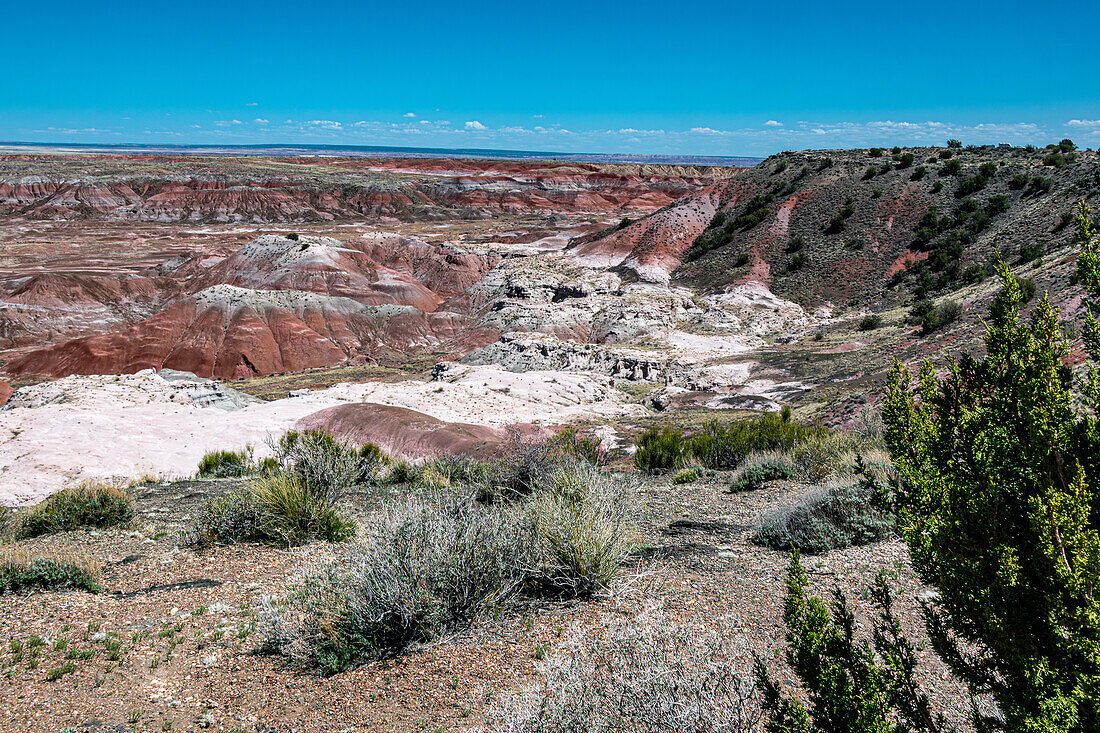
{"points": [[304, 190], [400, 431], [280, 304]]}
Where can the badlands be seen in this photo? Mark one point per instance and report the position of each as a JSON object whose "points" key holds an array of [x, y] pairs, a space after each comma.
{"points": [[521, 365], [551, 285], [626, 291]]}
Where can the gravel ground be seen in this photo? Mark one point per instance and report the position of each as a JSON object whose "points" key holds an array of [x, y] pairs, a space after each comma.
{"points": [[187, 623]]}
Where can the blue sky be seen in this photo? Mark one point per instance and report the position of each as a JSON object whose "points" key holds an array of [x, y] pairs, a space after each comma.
{"points": [[709, 78]]}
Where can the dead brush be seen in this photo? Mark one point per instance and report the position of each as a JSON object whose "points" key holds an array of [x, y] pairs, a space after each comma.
{"points": [[643, 675]]}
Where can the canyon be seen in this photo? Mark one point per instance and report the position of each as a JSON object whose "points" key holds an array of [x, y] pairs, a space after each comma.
{"points": [[684, 290]]}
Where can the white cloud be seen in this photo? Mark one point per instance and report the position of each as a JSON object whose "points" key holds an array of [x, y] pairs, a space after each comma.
{"points": [[1085, 124], [260, 121], [252, 104], [707, 131], [475, 125], [773, 123], [409, 114], [325, 124]]}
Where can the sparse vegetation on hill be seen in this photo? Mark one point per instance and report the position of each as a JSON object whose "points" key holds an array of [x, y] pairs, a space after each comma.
{"points": [[983, 198]]}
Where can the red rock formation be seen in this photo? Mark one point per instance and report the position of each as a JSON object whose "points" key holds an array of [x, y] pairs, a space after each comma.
{"points": [[226, 190], [227, 332], [401, 431], [653, 246], [278, 305], [5, 393]]}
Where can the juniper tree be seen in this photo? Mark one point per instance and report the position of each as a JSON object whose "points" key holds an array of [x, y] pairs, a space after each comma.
{"points": [[998, 460]]}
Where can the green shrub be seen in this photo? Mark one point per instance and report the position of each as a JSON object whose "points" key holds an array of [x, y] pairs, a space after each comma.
{"points": [[931, 317], [686, 476], [797, 262], [20, 571], [1040, 185], [999, 462], [661, 449], [87, 505], [937, 186], [870, 173], [835, 225], [951, 168], [323, 464], [851, 685], [725, 447], [996, 205], [226, 464], [826, 518], [870, 322], [795, 244], [875, 152], [969, 185], [292, 236], [904, 161], [758, 471], [742, 260], [1055, 160], [918, 173], [581, 530], [953, 143], [1018, 181], [289, 512]]}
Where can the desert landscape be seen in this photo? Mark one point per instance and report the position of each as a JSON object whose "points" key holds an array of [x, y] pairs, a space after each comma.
{"points": [[446, 341], [500, 367]]}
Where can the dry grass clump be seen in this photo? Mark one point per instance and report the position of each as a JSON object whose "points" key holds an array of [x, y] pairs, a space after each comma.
{"points": [[325, 465], [425, 567], [21, 571], [87, 505], [579, 517], [440, 560], [275, 508], [645, 676], [290, 512], [827, 517]]}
